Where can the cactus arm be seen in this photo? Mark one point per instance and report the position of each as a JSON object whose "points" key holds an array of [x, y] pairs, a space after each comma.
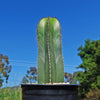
{"points": [[41, 50], [58, 51]]}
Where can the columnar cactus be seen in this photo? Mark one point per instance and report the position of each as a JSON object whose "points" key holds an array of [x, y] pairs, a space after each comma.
{"points": [[50, 59]]}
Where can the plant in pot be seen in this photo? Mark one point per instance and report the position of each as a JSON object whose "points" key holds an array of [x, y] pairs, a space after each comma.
{"points": [[50, 71]]}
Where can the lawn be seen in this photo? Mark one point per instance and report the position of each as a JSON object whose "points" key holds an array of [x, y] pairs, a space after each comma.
{"points": [[13, 93]]}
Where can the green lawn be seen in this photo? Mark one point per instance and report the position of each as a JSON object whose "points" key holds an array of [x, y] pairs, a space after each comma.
{"points": [[13, 93]]}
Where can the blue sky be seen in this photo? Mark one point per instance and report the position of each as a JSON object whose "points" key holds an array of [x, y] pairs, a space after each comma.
{"points": [[80, 19]]}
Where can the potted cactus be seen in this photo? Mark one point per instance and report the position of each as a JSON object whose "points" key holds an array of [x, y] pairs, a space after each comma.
{"points": [[50, 71]]}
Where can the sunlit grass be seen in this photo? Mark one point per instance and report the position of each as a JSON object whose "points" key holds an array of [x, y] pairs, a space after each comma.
{"points": [[10, 94]]}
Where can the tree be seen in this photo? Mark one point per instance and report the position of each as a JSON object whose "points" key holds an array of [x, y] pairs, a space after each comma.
{"points": [[31, 76], [90, 56], [71, 78], [5, 68], [68, 77]]}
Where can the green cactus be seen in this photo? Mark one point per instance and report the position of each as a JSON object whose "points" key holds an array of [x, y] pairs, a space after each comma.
{"points": [[50, 59]]}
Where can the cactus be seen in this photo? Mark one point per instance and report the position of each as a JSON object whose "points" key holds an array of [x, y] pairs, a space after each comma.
{"points": [[50, 59]]}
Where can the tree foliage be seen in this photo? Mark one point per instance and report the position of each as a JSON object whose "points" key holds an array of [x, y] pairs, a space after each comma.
{"points": [[71, 78], [31, 76], [5, 68], [68, 77], [90, 55]]}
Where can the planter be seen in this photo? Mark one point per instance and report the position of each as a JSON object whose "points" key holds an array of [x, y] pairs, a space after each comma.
{"points": [[49, 92]]}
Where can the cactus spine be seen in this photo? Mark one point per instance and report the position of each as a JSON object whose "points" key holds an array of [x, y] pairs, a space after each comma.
{"points": [[50, 59]]}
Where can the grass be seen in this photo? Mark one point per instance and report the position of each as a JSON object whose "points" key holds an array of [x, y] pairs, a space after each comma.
{"points": [[13, 93]]}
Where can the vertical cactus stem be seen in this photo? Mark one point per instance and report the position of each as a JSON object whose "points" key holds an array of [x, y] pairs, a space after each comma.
{"points": [[41, 29], [51, 47], [49, 50], [58, 51], [50, 59]]}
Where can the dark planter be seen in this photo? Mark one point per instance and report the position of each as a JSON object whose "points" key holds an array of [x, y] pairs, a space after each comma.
{"points": [[49, 92]]}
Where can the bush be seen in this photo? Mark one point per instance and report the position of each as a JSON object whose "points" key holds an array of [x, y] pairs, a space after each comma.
{"points": [[93, 95]]}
